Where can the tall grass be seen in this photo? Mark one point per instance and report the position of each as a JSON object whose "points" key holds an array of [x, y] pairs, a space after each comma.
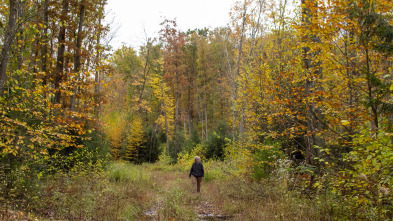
{"points": [[126, 172], [119, 193], [125, 192]]}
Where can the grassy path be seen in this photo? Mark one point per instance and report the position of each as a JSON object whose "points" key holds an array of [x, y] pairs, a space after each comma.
{"points": [[173, 198], [176, 198]]}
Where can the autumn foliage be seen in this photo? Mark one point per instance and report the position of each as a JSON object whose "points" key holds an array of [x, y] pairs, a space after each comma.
{"points": [[297, 92], [313, 78]]}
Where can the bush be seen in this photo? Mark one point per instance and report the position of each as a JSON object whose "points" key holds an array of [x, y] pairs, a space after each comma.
{"points": [[365, 188], [193, 140], [97, 145], [216, 142], [185, 160], [22, 177], [176, 145], [215, 170], [151, 147], [264, 160]]}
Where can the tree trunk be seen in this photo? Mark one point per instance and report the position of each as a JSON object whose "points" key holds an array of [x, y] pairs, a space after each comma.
{"points": [[8, 40], [374, 124], [44, 51], [60, 52], [77, 55], [146, 70], [177, 96], [237, 72], [189, 110], [97, 73], [200, 114], [166, 132], [185, 125], [206, 101], [232, 94], [312, 71]]}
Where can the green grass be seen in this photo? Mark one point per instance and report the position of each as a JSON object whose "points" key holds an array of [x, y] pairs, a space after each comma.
{"points": [[126, 172]]}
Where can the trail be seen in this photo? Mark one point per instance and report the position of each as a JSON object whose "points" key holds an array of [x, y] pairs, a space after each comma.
{"points": [[176, 194]]}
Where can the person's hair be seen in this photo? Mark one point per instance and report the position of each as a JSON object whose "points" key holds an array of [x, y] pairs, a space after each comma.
{"points": [[197, 158]]}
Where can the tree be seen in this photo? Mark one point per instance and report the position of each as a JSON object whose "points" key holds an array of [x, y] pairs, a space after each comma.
{"points": [[135, 140], [9, 37], [174, 67], [77, 52], [166, 102], [60, 51]]}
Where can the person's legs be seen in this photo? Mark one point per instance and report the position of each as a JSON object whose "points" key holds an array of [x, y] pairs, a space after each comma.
{"points": [[199, 179]]}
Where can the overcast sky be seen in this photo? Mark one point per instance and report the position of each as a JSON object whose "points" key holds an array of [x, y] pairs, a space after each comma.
{"points": [[135, 16]]}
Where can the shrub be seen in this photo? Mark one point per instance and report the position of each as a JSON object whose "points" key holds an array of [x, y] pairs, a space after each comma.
{"points": [[365, 188], [176, 145], [193, 140], [216, 142], [151, 147], [264, 160], [185, 159]]}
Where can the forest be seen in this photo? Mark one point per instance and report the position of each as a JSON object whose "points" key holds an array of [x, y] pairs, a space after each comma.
{"points": [[289, 106]]}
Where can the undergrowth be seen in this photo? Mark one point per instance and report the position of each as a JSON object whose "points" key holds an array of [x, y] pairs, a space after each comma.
{"points": [[125, 191]]}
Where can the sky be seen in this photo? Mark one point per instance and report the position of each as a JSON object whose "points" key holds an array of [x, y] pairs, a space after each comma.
{"points": [[137, 19]]}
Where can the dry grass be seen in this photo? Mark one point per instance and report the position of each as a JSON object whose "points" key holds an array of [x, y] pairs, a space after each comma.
{"points": [[162, 192]]}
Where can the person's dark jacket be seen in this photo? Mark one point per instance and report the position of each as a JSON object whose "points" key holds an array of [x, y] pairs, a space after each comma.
{"points": [[197, 170]]}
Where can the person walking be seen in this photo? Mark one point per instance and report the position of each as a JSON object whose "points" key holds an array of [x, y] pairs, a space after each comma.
{"points": [[197, 172]]}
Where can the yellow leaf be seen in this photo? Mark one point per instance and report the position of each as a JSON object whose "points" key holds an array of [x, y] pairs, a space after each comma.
{"points": [[345, 122]]}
